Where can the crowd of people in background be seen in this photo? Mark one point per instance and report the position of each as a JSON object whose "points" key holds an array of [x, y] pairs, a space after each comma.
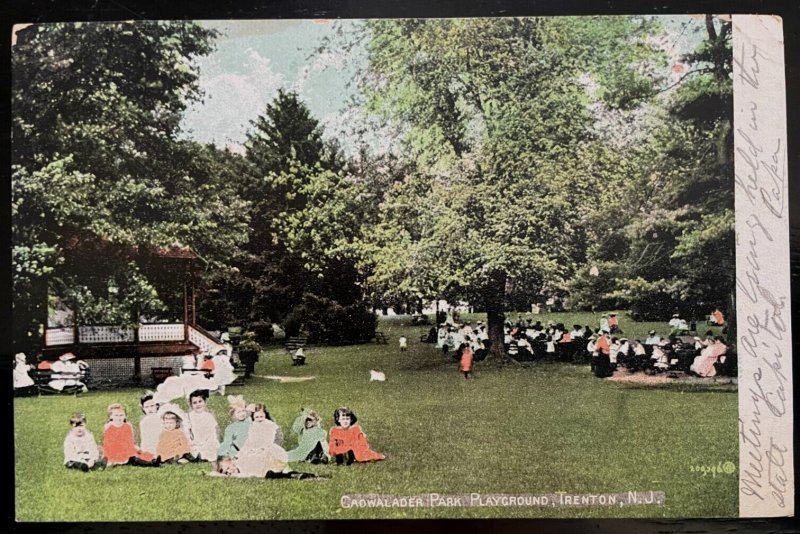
{"points": [[605, 348]]}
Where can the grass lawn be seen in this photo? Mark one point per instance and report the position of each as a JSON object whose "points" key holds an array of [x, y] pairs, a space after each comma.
{"points": [[540, 428]]}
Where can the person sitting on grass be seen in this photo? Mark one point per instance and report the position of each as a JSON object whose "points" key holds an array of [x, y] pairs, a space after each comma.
{"points": [[259, 453], [80, 449], [652, 338], [312, 439], [613, 324], [348, 443], [236, 431], [203, 428], [119, 446], [703, 365], [260, 456], [150, 424], [173, 443]]}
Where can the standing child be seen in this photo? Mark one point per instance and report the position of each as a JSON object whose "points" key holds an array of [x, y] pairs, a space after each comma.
{"points": [[204, 430], [465, 364], [118, 444], [313, 440], [403, 343], [348, 442], [173, 443], [150, 423], [80, 449]]}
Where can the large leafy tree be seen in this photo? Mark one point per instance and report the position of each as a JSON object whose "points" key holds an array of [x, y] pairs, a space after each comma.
{"points": [[298, 247], [498, 126], [97, 165], [671, 243]]}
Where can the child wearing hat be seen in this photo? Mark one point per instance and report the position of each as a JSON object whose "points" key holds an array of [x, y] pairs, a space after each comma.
{"points": [[236, 432], [173, 443], [652, 338], [66, 373], [313, 439]]}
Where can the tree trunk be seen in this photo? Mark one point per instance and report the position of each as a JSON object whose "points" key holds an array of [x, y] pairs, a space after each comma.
{"points": [[494, 297]]}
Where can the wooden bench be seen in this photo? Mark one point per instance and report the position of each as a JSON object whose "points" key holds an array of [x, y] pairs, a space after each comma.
{"points": [[294, 343], [380, 338], [43, 377], [160, 374]]}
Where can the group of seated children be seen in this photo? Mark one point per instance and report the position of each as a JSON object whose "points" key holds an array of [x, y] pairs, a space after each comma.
{"points": [[459, 336], [252, 444], [527, 340], [701, 357]]}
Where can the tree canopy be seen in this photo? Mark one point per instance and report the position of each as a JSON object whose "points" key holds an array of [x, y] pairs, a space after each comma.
{"points": [[96, 159]]}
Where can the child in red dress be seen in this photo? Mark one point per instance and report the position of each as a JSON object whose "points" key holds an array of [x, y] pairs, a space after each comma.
{"points": [[118, 444], [347, 440]]}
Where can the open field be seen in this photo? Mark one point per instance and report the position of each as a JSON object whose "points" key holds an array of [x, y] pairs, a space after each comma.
{"points": [[539, 428]]}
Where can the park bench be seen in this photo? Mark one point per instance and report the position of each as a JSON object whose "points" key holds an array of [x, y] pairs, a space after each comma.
{"points": [[43, 377], [380, 338], [295, 342]]}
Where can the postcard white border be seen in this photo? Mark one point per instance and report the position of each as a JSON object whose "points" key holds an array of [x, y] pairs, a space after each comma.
{"points": [[766, 470]]}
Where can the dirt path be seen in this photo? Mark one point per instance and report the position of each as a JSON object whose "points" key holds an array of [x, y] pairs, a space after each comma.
{"points": [[622, 375]]}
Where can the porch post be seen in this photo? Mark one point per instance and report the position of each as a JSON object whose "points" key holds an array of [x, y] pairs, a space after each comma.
{"points": [[185, 309], [194, 295]]}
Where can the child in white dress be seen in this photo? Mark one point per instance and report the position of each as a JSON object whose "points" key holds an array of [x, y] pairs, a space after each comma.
{"points": [[203, 428]]}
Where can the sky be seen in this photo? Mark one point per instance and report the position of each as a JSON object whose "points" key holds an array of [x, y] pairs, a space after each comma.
{"points": [[252, 60], [255, 58]]}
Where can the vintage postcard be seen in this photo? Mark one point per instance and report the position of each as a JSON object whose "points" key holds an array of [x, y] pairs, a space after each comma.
{"points": [[487, 267]]}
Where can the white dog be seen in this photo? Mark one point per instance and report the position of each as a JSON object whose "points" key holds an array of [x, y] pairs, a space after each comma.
{"points": [[376, 376]]}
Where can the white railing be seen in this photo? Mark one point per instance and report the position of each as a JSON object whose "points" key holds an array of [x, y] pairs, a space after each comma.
{"points": [[205, 343], [161, 332], [105, 334], [59, 336]]}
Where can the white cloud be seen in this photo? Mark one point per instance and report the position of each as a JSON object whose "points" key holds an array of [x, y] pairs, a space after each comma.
{"points": [[232, 100]]}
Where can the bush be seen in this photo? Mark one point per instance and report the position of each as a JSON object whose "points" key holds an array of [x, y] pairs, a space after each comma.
{"points": [[294, 321], [326, 321], [263, 330]]}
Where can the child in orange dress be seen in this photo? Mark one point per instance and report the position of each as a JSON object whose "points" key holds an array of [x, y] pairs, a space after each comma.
{"points": [[173, 443], [465, 364], [118, 444], [348, 443]]}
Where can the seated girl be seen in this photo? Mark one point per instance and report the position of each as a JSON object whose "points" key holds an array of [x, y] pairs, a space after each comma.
{"points": [[703, 365], [313, 440], [80, 449], [173, 443], [259, 453], [348, 442], [236, 432], [118, 444], [203, 427]]}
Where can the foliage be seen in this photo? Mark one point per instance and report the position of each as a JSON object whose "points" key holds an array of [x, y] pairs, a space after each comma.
{"points": [[498, 124], [96, 159]]}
